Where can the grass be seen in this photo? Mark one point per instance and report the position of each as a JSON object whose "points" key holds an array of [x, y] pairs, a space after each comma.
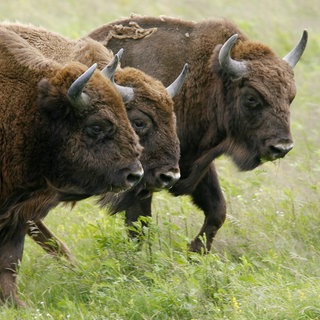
{"points": [[265, 260]]}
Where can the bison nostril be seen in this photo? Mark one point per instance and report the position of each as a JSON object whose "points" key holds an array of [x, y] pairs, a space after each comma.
{"points": [[169, 178], [165, 178], [134, 178], [135, 175], [281, 149]]}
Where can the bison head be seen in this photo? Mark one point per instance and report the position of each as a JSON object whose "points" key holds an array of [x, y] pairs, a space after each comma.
{"points": [[258, 89], [150, 110], [93, 148]]}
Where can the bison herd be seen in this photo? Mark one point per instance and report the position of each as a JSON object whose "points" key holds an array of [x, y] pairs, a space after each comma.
{"points": [[75, 124]]}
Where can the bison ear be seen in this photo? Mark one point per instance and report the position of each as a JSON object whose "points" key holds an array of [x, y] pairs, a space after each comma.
{"points": [[51, 103]]}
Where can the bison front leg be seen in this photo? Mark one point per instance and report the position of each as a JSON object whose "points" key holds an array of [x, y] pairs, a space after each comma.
{"points": [[10, 255], [139, 208], [48, 241], [208, 197]]}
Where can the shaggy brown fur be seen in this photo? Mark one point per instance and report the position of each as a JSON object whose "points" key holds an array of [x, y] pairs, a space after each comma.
{"points": [[59, 48], [52, 146], [246, 117], [150, 112]]}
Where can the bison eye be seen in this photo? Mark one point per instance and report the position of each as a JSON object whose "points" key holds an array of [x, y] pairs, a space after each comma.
{"points": [[138, 125], [93, 131], [140, 121], [103, 130], [252, 101]]}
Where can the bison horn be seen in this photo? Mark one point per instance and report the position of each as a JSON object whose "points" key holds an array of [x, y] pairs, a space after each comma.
{"points": [[126, 93], [295, 54], [176, 85], [235, 68], [75, 93], [111, 68]]}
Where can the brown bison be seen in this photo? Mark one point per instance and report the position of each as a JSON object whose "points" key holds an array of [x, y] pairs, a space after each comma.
{"points": [[64, 132], [148, 103], [235, 101]]}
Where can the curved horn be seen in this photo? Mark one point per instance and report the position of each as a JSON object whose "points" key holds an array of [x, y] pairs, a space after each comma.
{"points": [[75, 93], [111, 68], [295, 54], [176, 85], [235, 68], [126, 93]]}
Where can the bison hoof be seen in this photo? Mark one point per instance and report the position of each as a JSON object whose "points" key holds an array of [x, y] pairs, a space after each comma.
{"points": [[198, 246]]}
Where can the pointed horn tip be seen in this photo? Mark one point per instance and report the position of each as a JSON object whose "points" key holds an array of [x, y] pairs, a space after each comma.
{"points": [[228, 44], [91, 70], [233, 39], [236, 69], [305, 37], [114, 62], [75, 90], [110, 68], [185, 68], [176, 85], [93, 67], [295, 54], [119, 53], [305, 34]]}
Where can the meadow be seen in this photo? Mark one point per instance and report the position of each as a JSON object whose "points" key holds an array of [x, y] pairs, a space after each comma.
{"points": [[265, 260]]}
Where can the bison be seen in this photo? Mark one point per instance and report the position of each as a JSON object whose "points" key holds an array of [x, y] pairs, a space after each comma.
{"points": [[235, 101], [149, 107], [64, 132]]}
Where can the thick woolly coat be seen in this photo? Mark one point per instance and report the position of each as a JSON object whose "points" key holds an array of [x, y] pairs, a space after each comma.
{"points": [[245, 117]]}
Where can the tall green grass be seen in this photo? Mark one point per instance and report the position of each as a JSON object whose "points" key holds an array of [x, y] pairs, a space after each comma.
{"points": [[265, 260]]}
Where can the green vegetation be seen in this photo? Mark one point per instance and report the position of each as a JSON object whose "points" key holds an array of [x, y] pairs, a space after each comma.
{"points": [[265, 260]]}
